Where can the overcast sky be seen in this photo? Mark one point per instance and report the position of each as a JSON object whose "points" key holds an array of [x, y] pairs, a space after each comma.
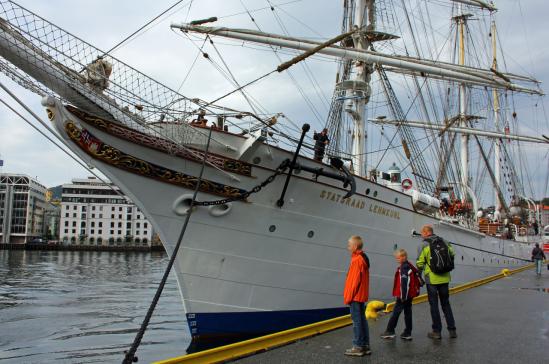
{"points": [[167, 56]]}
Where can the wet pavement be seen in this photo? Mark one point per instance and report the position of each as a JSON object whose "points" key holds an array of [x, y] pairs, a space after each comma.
{"points": [[506, 321]]}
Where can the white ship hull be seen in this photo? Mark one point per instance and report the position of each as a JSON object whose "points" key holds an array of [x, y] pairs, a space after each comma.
{"points": [[260, 258]]}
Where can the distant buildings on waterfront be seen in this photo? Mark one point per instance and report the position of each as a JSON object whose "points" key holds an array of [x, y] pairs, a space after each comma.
{"points": [[94, 212], [82, 212], [22, 206]]}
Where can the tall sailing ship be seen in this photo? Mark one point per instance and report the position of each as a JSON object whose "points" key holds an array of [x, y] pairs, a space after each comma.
{"points": [[267, 252]]}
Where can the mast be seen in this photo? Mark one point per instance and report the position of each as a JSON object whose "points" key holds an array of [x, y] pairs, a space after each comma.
{"points": [[497, 146], [464, 150], [359, 94]]}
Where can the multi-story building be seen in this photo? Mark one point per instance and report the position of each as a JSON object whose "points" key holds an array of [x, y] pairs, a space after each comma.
{"points": [[97, 213], [22, 204]]}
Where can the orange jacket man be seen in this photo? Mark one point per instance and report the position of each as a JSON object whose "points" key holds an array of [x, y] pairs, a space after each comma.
{"points": [[355, 295]]}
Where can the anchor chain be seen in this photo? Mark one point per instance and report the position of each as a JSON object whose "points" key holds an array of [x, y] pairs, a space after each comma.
{"points": [[279, 170]]}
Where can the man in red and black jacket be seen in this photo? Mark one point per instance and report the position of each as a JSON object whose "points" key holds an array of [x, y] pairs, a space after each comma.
{"points": [[405, 287]]}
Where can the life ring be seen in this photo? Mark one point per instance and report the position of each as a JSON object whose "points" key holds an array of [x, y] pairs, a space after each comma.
{"points": [[406, 184]]}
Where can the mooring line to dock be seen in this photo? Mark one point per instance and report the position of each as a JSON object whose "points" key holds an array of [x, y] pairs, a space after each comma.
{"points": [[252, 346], [130, 354]]}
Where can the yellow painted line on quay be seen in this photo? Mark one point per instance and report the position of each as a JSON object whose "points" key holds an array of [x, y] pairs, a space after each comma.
{"points": [[248, 347]]}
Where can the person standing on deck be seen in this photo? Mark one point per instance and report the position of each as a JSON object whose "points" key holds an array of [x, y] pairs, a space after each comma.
{"points": [[355, 295], [538, 256], [322, 141], [436, 260]]}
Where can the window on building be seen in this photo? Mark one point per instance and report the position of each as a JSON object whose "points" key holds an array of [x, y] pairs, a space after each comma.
{"points": [[100, 208], [120, 217], [67, 214], [74, 223], [93, 208], [100, 224], [74, 215], [129, 210], [100, 216], [137, 225], [93, 224], [112, 209], [83, 216], [119, 232], [144, 232], [74, 207], [83, 224], [128, 225], [120, 209], [93, 216], [137, 232], [66, 223], [74, 231], [119, 224], [128, 217], [66, 231], [112, 232], [112, 216], [83, 208], [145, 225], [92, 232], [112, 224], [100, 232]]}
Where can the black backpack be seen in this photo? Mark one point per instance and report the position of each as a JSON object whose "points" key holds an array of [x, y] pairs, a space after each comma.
{"points": [[440, 260]]}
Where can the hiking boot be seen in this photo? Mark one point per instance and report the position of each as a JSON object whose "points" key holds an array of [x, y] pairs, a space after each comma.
{"points": [[388, 335], [434, 335], [366, 350], [355, 351], [406, 336], [453, 334]]}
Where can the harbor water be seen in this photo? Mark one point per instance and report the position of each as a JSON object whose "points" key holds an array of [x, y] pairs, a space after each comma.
{"points": [[86, 307]]}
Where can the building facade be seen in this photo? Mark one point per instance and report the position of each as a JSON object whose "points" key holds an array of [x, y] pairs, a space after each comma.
{"points": [[97, 213], [22, 207]]}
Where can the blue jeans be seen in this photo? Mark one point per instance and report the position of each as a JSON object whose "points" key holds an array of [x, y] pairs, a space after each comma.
{"points": [[400, 306], [360, 324], [538, 266], [436, 292]]}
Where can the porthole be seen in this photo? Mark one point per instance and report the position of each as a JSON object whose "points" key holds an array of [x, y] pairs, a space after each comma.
{"points": [[272, 228], [375, 193], [367, 191], [310, 234], [256, 160]]}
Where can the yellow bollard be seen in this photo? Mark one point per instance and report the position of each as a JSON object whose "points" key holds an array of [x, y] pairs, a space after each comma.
{"points": [[373, 308], [506, 272]]}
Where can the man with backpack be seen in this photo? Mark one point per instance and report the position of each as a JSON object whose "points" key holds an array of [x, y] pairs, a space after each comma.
{"points": [[436, 260], [538, 256]]}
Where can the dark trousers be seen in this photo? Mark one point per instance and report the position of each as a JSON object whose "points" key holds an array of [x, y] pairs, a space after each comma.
{"points": [[360, 324], [400, 306], [436, 292]]}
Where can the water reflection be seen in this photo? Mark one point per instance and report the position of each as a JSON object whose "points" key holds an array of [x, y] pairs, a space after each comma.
{"points": [[85, 307]]}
